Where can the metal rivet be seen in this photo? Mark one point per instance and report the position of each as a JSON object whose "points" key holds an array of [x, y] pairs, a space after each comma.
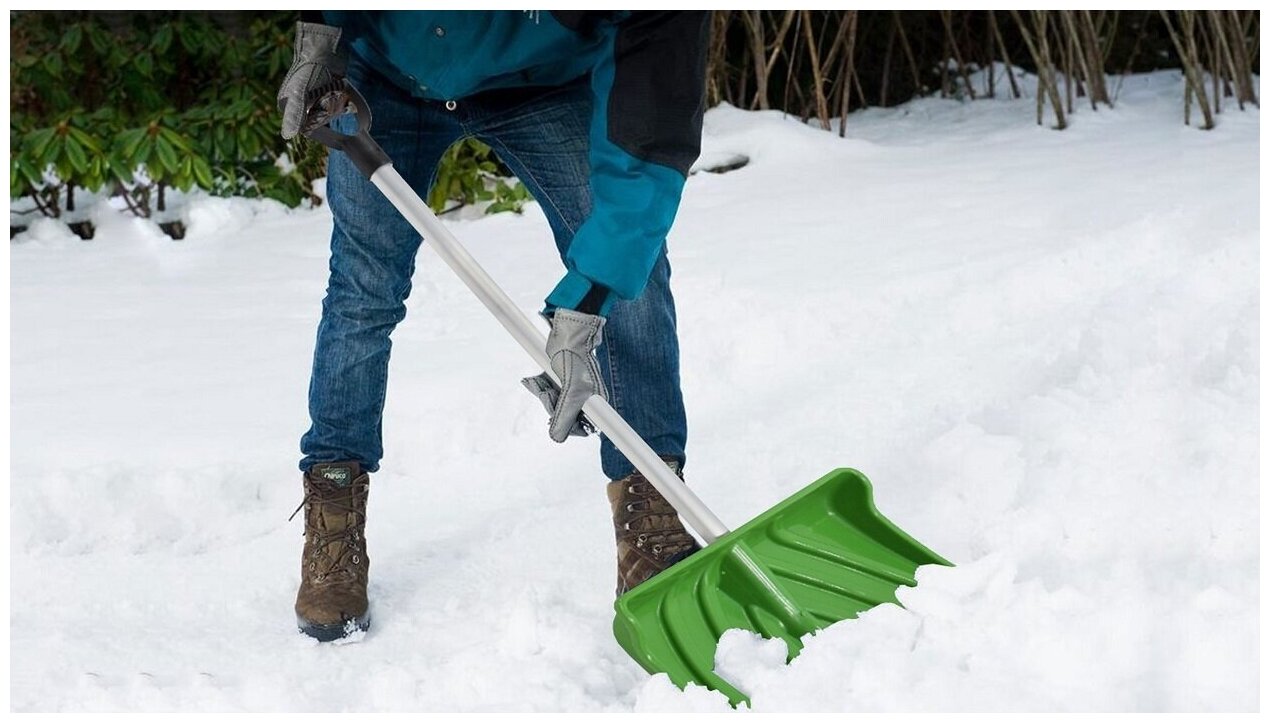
{"points": [[451, 105]]}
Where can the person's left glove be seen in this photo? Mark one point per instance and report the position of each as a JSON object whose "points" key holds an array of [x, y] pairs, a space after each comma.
{"points": [[571, 349], [313, 91]]}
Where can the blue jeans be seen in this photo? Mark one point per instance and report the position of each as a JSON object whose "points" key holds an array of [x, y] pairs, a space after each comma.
{"points": [[541, 134]]}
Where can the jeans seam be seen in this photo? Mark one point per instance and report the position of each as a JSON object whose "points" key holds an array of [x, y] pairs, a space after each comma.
{"points": [[615, 387], [499, 146]]}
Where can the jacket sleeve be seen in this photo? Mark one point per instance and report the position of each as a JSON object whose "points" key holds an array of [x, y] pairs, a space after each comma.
{"points": [[648, 95]]}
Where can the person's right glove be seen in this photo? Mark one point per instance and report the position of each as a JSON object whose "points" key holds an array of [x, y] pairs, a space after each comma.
{"points": [[313, 91], [571, 349]]}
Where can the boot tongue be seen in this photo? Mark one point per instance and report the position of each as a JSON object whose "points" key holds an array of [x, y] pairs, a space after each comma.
{"points": [[333, 513], [338, 474]]}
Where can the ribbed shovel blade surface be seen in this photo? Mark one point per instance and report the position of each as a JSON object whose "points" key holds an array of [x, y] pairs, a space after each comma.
{"points": [[823, 555]]}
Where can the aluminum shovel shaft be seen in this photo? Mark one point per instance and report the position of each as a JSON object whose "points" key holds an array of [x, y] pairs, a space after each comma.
{"points": [[534, 341]]}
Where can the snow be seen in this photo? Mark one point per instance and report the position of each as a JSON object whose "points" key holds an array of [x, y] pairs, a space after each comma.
{"points": [[1041, 346]]}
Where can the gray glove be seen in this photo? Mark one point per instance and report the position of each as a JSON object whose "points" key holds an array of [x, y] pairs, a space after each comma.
{"points": [[571, 349], [313, 91]]}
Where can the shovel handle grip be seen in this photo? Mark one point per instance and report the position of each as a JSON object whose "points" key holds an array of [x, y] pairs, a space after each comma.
{"points": [[377, 166], [362, 150]]}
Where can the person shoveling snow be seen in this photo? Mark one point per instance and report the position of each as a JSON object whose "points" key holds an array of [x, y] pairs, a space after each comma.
{"points": [[600, 115]]}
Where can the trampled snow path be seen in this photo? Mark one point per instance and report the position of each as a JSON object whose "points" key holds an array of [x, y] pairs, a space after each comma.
{"points": [[1042, 347]]}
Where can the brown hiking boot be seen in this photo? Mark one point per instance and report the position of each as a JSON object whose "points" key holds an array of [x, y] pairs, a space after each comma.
{"points": [[650, 537], [332, 600]]}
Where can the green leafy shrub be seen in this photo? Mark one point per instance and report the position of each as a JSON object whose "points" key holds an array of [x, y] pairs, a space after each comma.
{"points": [[140, 102], [470, 173], [145, 102], [51, 161]]}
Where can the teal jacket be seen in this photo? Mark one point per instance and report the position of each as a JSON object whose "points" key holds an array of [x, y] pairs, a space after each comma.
{"points": [[647, 79]]}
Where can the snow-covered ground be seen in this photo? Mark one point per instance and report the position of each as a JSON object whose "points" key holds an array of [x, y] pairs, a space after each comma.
{"points": [[1041, 346]]}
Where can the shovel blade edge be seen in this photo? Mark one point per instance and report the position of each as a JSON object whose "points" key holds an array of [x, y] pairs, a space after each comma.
{"points": [[823, 555]]}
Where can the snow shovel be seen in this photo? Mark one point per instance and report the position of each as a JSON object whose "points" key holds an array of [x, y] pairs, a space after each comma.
{"points": [[821, 556]]}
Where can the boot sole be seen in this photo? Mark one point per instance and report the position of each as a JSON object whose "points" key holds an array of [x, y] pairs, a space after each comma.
{"points": [[330, 632]]}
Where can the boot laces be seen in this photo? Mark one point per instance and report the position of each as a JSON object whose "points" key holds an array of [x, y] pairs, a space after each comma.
{"points": [[654, 524], [336, 501]]}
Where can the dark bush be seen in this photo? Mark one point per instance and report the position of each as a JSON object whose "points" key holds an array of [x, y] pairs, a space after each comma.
{"points": [[140, 102]]}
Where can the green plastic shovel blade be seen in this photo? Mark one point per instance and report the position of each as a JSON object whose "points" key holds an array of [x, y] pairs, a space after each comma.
{"points": [[823, 555]]}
